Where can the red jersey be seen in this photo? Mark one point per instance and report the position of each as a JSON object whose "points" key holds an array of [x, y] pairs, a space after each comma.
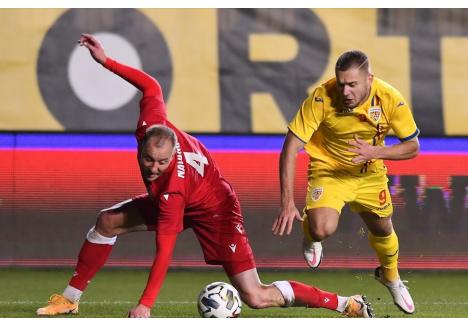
{"points": [[192, 185], [190, 188]]}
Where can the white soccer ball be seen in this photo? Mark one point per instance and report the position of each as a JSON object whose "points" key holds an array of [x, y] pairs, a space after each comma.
{"points": [[219, 300]]}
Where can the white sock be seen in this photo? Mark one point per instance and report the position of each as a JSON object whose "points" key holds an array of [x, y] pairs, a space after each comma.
{"points": [[341, 303], [287, 291], [94, 236], [72, 294]]}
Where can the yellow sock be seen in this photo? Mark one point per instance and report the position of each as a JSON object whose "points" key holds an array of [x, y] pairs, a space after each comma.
{"points": [[305, 229], [387, 251]]}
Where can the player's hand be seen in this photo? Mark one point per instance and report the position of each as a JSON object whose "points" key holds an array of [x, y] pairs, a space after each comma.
{"points": [[365, 152], [94, 46], [139, 311], [285, 219]]}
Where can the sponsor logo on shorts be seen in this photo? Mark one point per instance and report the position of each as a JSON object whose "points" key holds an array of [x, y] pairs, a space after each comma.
{"points": [[317, 193], [233, 246], [375, 113], [383, 207]]}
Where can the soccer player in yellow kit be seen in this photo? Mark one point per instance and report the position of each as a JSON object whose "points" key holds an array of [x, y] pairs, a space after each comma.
{"points": [[342, 126]]}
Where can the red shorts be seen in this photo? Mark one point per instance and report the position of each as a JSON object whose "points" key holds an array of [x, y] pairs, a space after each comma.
{"points": [[221, 234]]}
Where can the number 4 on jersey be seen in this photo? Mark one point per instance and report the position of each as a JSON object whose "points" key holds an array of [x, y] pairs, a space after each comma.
{"points": [[197, 161]]}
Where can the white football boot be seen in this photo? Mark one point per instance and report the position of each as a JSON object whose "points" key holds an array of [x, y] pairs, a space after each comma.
{"points": [[398, 290], [312, 252]]}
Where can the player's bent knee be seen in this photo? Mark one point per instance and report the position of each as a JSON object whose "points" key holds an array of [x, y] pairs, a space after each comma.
{"points": [[319, 234], [253, 300], [320, 230], [94, 236], [106, 224]]}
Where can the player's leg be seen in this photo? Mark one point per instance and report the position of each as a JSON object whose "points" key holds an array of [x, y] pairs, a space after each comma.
{"points": [[326, 197], [119, 219], [291, 293], [255, 294], [384, 241], [319, 224], [224, 241], [239, 264], [374, 205]]}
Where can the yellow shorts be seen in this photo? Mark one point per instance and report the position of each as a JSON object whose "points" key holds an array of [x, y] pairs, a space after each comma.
{"points": [[368, 193]]}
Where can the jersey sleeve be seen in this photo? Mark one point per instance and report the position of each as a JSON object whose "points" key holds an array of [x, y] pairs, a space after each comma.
{"points": [[152, 106], [402, 121], [308, 118], [169, 223], [164, 249], [152, 112]]}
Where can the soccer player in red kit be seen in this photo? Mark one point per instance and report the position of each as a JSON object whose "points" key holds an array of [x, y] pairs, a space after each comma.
{"points": [[184, 190]]}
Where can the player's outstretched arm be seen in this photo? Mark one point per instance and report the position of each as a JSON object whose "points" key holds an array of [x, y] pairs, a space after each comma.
{"points": [[94, 46], [141, 80], [288, 212], [165, 244]]}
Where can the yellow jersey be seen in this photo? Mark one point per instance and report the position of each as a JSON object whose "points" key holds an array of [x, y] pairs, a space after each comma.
{"points": [[326, 127]]}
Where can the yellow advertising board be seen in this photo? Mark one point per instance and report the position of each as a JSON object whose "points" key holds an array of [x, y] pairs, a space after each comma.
{"points": [[223, 70]]}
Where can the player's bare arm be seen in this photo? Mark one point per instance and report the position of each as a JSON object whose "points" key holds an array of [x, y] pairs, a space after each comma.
{"points": [[94, 46], [288, 211], [366, 152]]}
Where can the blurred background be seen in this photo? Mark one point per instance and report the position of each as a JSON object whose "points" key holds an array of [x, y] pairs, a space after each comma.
{"points": [[233, 78]]}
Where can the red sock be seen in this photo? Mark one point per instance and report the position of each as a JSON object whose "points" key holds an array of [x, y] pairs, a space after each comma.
{"points": [[312, 297], [90, 260]]}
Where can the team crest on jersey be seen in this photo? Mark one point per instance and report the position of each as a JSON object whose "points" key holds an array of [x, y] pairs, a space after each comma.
{"points": [[375, 113], [317, 193]]}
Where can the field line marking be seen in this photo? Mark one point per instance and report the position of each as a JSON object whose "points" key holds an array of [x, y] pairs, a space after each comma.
{"points": [[194, 302]]}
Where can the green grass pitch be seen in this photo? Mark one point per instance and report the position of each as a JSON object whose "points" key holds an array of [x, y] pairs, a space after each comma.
{"points": [[113, 292]]}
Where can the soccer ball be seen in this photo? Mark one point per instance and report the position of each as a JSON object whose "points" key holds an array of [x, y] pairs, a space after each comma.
{"points": [[219, 300]]}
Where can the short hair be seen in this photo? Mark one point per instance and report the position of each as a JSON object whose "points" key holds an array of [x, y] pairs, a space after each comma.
{"points": [[162, 133], [351, 59]]}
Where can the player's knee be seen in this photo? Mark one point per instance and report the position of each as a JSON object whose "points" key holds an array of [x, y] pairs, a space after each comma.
{"points": [[254, 299], [320, 233], [380, 227], [106, 224], [322, 222], [94, 236]]}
